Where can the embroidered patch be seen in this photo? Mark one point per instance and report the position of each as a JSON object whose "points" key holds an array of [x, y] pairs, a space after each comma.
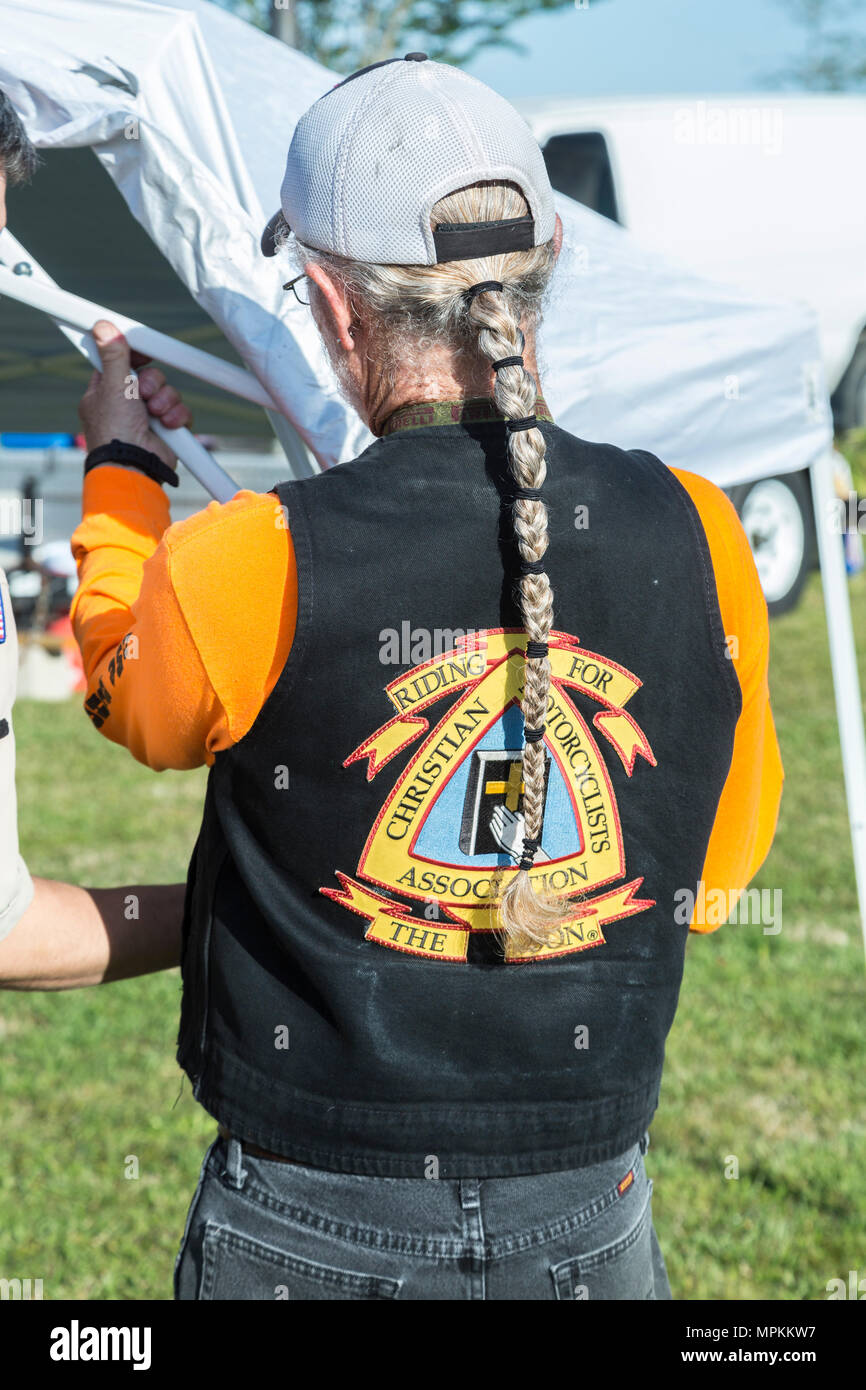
{"points": [[626, 1183], [451, 831]]}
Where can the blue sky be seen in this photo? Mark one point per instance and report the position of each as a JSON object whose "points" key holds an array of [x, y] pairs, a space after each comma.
{"points": [[624, 47]]}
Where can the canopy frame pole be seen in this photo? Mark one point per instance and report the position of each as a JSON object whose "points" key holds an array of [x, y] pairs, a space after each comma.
{"points": [[73, 318], [34, 287], [843, 660]]}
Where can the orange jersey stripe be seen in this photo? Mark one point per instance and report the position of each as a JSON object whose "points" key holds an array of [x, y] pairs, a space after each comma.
{"points": [[746, 818]]}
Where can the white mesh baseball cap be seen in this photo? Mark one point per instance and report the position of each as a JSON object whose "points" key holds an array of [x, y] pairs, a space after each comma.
{"points": [[371, 157]]}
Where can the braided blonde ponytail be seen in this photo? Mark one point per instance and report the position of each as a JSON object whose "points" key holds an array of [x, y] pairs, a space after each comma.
{"points": [[406, 310], [528, 921]]}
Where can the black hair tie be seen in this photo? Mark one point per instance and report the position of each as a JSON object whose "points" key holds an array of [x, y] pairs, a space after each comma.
{"points": [[528, 494], [507, 362], [528, 423], [532, 567], [482, 288], [537, 649], [530, 849], [534, 735]]}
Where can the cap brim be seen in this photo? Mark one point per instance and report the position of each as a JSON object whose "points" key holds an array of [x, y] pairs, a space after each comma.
{"points": [[268, 241]]}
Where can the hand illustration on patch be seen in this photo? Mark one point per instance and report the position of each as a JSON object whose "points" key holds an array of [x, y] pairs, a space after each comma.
{"points": [[507, 829]]}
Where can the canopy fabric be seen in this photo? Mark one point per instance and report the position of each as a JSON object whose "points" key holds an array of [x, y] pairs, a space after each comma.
{"points": [[190, 110], [102, 254]]}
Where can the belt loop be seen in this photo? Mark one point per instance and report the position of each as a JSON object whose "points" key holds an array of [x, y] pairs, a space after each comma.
{"points": [[644, 1142], [470, 1194], [234, 1169]]}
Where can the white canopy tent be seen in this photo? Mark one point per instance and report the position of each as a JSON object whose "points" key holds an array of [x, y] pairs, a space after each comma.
{"points": [[191, 111]]}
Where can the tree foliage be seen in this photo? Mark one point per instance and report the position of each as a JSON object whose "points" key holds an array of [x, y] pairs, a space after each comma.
{"points": [[348, 34], [835, 57]]}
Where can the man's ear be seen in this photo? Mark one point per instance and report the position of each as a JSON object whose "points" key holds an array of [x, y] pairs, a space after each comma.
{"points": [[557, 236], [338, 309]]}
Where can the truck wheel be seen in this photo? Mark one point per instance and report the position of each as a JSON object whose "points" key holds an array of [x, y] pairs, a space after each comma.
{"points": [[776, 514]]}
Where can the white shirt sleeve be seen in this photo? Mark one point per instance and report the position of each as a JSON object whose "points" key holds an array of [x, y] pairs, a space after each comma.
{"points": [[16, 885]]}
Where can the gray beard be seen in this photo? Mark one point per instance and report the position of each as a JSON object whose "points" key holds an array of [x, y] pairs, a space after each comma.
{"points": [[347, 385]]}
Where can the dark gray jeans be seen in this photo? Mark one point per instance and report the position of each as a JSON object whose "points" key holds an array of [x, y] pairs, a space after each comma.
{"points": [[260, 1229]]}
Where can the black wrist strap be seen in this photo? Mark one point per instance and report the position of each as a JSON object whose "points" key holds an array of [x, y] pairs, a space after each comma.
{"points": [[131, 456]]}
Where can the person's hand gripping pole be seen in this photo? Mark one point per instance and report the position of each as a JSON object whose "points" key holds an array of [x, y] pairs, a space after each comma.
{"points": [[140, 407]]}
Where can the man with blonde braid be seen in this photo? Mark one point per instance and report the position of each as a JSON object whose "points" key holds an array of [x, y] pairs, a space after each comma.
{"points": [[432, 1050]]}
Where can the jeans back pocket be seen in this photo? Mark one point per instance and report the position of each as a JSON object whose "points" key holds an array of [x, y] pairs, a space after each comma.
{"points": [[621, 1269], [235, 1266]]}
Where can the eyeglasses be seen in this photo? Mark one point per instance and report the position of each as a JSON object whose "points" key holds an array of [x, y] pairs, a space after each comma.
{"points": [[290, 285]]}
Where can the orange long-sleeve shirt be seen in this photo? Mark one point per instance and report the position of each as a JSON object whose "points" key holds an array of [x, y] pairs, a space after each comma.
{"points": [[185, 629]]}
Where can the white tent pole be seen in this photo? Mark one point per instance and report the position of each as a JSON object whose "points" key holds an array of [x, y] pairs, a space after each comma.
{"points": [[843, 659], [82, 314], [182, 442]]}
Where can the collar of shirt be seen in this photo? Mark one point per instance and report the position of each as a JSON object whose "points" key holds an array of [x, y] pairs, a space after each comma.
{"points": [[421, 414]]}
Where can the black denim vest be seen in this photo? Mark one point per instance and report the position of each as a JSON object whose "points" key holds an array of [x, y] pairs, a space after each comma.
{"points": [[346, 999]]}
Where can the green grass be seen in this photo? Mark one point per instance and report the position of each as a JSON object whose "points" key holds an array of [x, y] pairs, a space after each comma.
{"points": [[765, 1060], [89, 1077]]}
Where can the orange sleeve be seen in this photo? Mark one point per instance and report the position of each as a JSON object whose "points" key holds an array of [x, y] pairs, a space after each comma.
{"points": [[748, 810], [183, 629]]}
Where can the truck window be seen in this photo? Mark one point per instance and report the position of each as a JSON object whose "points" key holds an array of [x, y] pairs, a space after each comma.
{"points": [[579, 166]]}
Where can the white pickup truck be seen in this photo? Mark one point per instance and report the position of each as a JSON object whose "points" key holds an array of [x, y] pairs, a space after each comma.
{"points": [[762, 191]]}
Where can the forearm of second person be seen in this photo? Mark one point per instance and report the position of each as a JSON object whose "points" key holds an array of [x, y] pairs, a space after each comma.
{"points": [[71, 936]]}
